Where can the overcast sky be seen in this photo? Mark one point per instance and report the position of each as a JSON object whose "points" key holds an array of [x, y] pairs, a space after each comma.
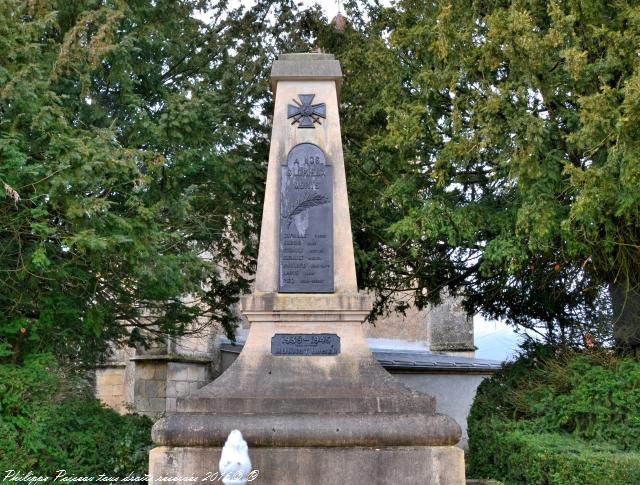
{"points": [[330, 7]]}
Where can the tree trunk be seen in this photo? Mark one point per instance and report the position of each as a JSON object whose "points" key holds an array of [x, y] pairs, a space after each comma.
{"points": [[625, 303]]}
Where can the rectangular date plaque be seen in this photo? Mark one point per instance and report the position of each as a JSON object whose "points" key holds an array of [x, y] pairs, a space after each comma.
{"points": [[305, 344]]}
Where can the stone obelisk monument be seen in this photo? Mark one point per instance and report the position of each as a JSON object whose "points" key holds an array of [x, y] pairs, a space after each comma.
{"points": [[312, 403]]}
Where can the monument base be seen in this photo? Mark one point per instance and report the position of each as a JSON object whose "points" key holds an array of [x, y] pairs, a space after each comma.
{"points": [[310, 419], [412, 465]]}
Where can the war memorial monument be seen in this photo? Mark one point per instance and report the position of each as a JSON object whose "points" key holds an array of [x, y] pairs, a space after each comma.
{"points": [[309, 398]]}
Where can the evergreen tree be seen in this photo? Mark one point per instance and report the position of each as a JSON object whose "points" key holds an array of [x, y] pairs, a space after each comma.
{"points": [[492, 151], [132, 156]]}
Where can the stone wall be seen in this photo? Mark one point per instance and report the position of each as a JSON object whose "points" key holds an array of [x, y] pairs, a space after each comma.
{"points": [[451, 328], [110, 387], [445, 328], [114, 381], [150, 388], [148, 381], [454, 392], [158, 380], [183, 378]]}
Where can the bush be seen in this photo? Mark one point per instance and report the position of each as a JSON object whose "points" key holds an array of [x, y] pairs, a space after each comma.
{"points": [[50, 421], [518, 456], [558, 417]]}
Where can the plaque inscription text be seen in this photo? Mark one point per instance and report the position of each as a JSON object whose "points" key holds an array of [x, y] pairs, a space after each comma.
{"points": [[306, 222], [305, 344]]}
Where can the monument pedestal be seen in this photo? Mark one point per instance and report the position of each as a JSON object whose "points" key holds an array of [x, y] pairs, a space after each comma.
{"points": [[416, 465], [311, 419], [309, 398]]}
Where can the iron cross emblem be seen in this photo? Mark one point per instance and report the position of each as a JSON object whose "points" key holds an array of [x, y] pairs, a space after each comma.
{"points": [[304, 113]]}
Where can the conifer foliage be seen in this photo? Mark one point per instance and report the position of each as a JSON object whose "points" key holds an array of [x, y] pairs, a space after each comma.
{"points": [[131, 167], [493, 150]]}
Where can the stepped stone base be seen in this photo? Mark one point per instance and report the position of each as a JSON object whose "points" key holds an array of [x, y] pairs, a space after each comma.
{"points": [[413, 465], [328, 419]]}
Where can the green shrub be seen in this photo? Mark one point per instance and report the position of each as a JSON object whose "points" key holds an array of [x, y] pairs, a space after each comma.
{"points": [[558, 417], [520, 456], [51, 421]]}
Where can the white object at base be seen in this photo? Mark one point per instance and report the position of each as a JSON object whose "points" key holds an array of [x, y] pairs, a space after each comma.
{"points": [[235, 464]]}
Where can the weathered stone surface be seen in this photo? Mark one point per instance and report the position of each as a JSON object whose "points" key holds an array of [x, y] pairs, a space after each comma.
{"points": [[182, 388], [442, 465], [196, 373], [145, 370], [160, 372], [316, 418], [298, 429], [156, 388], [451, 328], [178, 371], [110, 387], [305, 67]]}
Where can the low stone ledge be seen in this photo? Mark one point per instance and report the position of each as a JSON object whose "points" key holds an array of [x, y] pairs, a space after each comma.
{"points": [[188, 359], [423, 465], [304, 303], [107, 365], [295, 430], [313, 405]]}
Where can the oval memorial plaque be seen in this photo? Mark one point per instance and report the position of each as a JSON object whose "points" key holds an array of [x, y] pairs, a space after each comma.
{"points": [[306, 222]]}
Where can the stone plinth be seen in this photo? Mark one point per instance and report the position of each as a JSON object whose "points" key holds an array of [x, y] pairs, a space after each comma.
{"points": [[415, 465]]}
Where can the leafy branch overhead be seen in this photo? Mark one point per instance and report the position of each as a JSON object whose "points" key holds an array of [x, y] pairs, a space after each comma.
{"points": [[491, 149]]}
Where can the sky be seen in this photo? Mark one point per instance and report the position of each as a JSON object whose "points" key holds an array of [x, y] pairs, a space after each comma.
{"points": [[330, 7], [495, 340]]}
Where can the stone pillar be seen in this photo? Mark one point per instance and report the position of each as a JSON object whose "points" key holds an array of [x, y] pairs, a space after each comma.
{"points": [[150, 381], [451, 329], [306, 393], [160, 380], [114, 381]]}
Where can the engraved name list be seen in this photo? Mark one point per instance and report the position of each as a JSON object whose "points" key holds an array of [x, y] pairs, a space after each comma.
{"points": [[306, 222]]}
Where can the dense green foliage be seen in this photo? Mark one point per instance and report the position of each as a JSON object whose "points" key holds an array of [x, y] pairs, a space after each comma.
{"points": [[493, 150], [518, 457], [50, 421], [558, 417], [131, 167]]}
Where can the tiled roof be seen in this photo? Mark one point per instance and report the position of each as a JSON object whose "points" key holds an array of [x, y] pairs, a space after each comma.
{"points": [[413, 360], [424, 360]]}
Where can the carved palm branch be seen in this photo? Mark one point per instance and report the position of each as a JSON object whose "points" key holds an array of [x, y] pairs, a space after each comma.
{"points": [[306, 204]]}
